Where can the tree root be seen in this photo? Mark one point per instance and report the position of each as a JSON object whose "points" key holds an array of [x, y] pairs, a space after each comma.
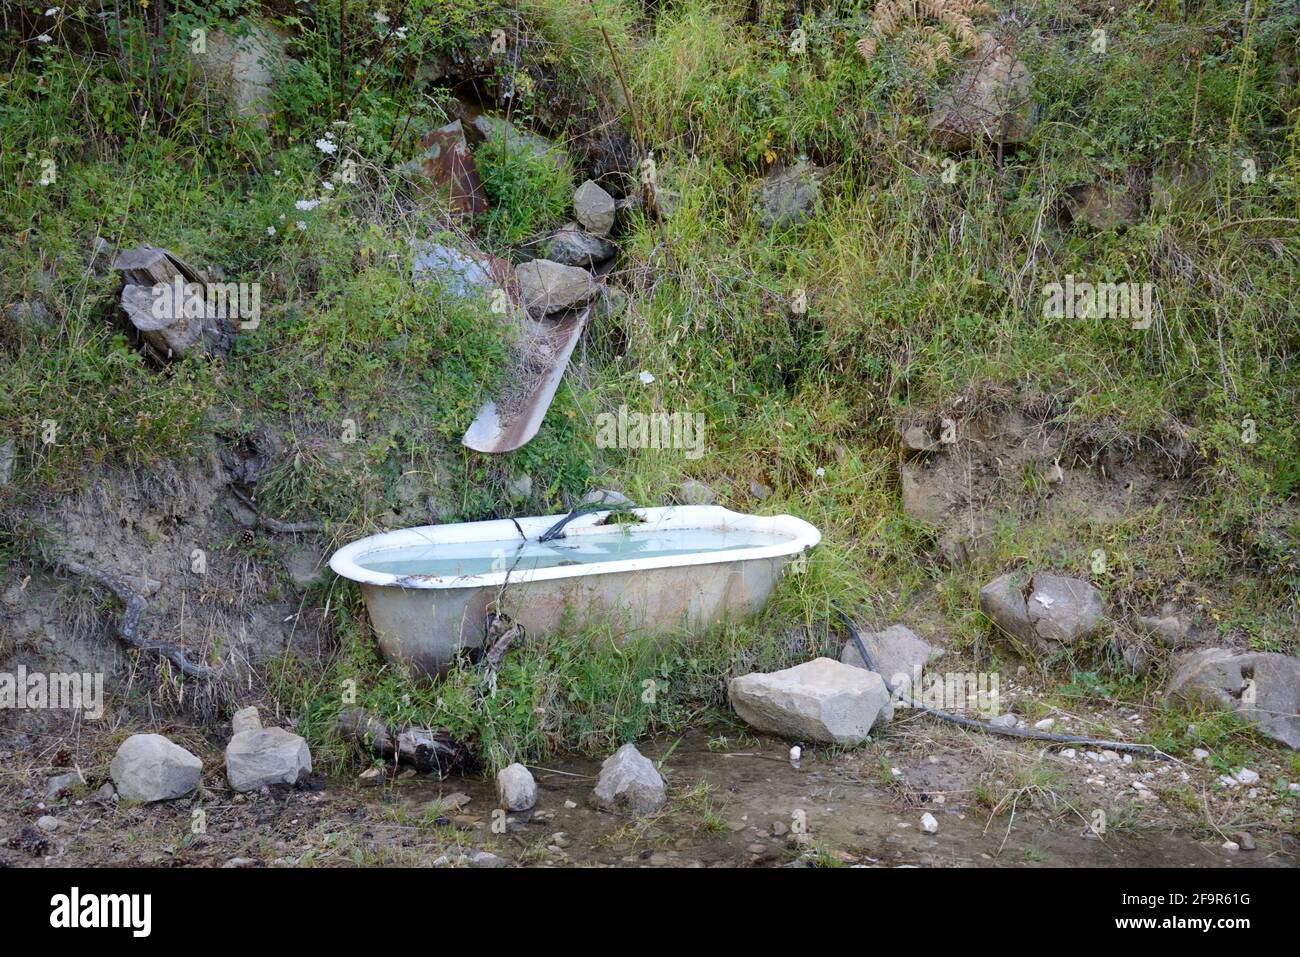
{"points": [[127, 627], [274, 524]]}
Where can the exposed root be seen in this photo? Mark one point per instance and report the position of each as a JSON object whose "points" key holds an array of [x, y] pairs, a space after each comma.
{"points": [[127, 628]]}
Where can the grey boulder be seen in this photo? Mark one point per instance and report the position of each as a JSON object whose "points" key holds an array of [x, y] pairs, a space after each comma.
{"points": [[546, 286], [629, 780], [1261, 687], [820, 700], [256, 759], [1057, 611], [148, 767]]}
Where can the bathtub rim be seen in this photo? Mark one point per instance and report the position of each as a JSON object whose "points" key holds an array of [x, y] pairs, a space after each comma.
{"points": [[346, 561]]}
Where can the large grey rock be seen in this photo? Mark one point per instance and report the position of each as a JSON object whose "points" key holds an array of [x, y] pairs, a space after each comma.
{"points": [[629, 780], [546, 286], [572, 246], [820, 700], [256, 759], [992, 101], [898, 653], [462, 274], [1227, 680], [594, 208], [148, 767], [1057, 611], [790, 195], [516, 789]]}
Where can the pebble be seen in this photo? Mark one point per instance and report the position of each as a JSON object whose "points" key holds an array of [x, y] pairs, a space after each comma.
{"points": [[1200, 754], [1231, 846], [1247, 776], [48, 824], [929, 824], [1069, 753], [1244, 840], [1046, 724]]}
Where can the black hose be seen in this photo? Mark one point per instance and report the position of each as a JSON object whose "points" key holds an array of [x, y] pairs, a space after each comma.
{"points": [[985, 726]]}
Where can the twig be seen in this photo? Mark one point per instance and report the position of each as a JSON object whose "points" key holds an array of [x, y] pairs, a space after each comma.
{"points": [[274, 524]]}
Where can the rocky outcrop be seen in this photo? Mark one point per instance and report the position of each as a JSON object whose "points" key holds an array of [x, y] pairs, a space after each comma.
{"points": [[148, 767], [1261, 687], [1048, 612], [629, 780], [820, 700], [516, 789], [241, 66]]}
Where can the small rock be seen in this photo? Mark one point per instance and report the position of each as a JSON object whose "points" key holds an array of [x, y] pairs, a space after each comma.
{"points": [[594, 208], [245, 719], [48, 824], [8, 459], [1245, 840], [929, 824], [991, 102], [1247, 776], [1045, 725], [918, 439], [105, 794], [1004, 721], [605, 496], [257, 759], [1230, 846], [516, 789], [779, 829], [1200, 754], [60, 784], [630, 780], [371, 776], [521, 487], [486, 859], [305, 565], [148, 767], [692, 492]]}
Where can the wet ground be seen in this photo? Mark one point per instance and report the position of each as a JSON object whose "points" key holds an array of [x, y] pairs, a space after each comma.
{"points": [[734, 800]]}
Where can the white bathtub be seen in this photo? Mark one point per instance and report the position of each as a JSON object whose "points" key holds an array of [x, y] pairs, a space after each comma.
{"points": [[428, 589]]}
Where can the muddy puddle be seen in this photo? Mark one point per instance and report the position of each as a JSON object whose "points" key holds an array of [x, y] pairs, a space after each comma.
{"points": [[741, 802]]}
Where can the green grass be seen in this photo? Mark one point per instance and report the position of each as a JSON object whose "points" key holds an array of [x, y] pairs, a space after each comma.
{"points": [[918, 291]]}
